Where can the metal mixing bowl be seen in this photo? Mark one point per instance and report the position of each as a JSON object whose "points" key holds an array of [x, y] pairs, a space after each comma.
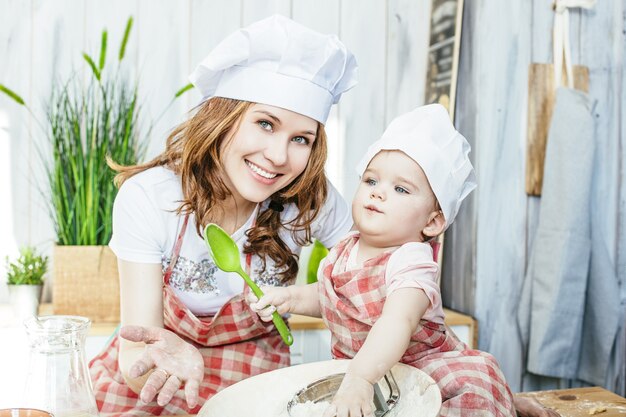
{"points": [[324, 389]]}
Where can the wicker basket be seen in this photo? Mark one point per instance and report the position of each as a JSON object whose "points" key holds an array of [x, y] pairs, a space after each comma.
{"points": [[86, 283]]}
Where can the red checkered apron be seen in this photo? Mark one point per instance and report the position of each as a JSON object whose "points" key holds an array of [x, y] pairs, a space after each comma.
{"points": [[235, 344], [470, 381]]}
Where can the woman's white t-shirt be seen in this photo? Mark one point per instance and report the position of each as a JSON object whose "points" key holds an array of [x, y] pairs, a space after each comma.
{"points": [[145, 228]]}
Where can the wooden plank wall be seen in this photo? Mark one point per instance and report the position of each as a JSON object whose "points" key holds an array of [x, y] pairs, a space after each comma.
{"points": [[491, 111], [40, 39], [621, 222], [43, 39], [486, 249], [487, 252]]}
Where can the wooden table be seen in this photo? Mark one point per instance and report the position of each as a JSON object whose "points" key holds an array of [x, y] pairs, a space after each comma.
{"points": [[579, 402]]}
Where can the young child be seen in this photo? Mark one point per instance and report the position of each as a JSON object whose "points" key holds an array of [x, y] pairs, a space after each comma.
{"points": [[377, 289]]}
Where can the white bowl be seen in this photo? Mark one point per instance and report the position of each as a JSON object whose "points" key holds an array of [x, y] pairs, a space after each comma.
{"points": [[268, 394]]}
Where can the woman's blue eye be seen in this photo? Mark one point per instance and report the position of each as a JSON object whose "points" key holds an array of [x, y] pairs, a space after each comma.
{"points": [[401, 189], [301, 139], [265, 125]]}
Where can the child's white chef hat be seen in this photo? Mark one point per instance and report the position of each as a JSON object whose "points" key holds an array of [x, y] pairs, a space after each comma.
{"points": [[427, 135], [279, 62]]}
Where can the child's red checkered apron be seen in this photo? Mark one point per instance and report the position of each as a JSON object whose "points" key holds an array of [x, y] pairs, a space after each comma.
{"points": [[470, 381], [235, 344]]}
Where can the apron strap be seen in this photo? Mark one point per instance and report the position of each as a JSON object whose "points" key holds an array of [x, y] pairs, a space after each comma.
{"points": [[560, 38], [175, 252], [178, 245]]}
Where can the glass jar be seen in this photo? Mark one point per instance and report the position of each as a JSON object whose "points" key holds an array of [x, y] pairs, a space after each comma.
{"points": [[58, 378]]}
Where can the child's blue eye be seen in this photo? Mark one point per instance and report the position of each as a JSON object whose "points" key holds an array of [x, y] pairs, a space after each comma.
{"points": [[265, 125], [370, 181], [401, 189], [301, 139]]}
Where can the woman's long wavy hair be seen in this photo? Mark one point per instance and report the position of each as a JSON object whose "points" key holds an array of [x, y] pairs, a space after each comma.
{"points": [[193, 151]]}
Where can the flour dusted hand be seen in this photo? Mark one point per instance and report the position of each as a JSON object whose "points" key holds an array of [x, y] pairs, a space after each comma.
{"points": [[171, 361], [353, 399]]}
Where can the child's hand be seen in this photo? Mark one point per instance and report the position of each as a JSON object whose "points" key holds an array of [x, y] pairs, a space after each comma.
{"points": [[353, 399], [274, 299]]}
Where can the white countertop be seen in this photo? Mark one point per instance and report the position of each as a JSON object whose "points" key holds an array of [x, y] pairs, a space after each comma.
{"points": [[13, 363], [14, 354]]}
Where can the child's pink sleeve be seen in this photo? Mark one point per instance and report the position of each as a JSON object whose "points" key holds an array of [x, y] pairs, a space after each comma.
{"points": [[412, 266]]}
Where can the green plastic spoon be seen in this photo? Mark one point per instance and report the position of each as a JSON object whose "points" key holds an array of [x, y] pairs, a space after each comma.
{"points": [[225, 254]]}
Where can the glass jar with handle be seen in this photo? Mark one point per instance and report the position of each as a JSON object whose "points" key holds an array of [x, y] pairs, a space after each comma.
{"points": [[58, 378]]}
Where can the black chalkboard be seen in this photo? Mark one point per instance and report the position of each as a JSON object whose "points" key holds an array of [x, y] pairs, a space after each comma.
{"points": [[443, 52]]}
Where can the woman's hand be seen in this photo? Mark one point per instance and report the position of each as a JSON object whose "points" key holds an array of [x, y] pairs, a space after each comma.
{"points": [[274, 299], [169, 361], [353, 399]]}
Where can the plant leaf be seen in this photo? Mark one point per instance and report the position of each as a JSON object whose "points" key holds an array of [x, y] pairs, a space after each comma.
{"points": [[96, 73], [12, 94], [129, 25], [28, 268], [103, 49], [87, 124], [183, 90]]}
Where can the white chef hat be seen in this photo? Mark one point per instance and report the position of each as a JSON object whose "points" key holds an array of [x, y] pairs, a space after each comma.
{"points": [[427, 135], [279, 62]]}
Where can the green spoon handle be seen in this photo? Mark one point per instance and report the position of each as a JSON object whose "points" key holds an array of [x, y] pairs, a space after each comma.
{"points": [[280, 324], [282, 328]]}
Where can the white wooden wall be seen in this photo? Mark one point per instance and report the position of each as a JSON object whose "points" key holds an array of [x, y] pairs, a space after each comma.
{"points": [[43, 39], [486, 250], [491, 240]]}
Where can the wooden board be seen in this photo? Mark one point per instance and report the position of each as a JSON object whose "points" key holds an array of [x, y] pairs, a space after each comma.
{"points": [[579, 402], [541, 96]]}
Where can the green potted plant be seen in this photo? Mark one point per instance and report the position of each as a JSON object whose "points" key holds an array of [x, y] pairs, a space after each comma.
{"points": [[87, 124], [25, 277]]}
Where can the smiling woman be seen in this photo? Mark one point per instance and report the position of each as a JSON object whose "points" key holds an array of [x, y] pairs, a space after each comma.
{"points": [[270, 147], [250, 159]]}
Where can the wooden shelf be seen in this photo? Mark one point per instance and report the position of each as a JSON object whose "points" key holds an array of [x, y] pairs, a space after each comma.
{"points": [[296, 322], [453, 318]]}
